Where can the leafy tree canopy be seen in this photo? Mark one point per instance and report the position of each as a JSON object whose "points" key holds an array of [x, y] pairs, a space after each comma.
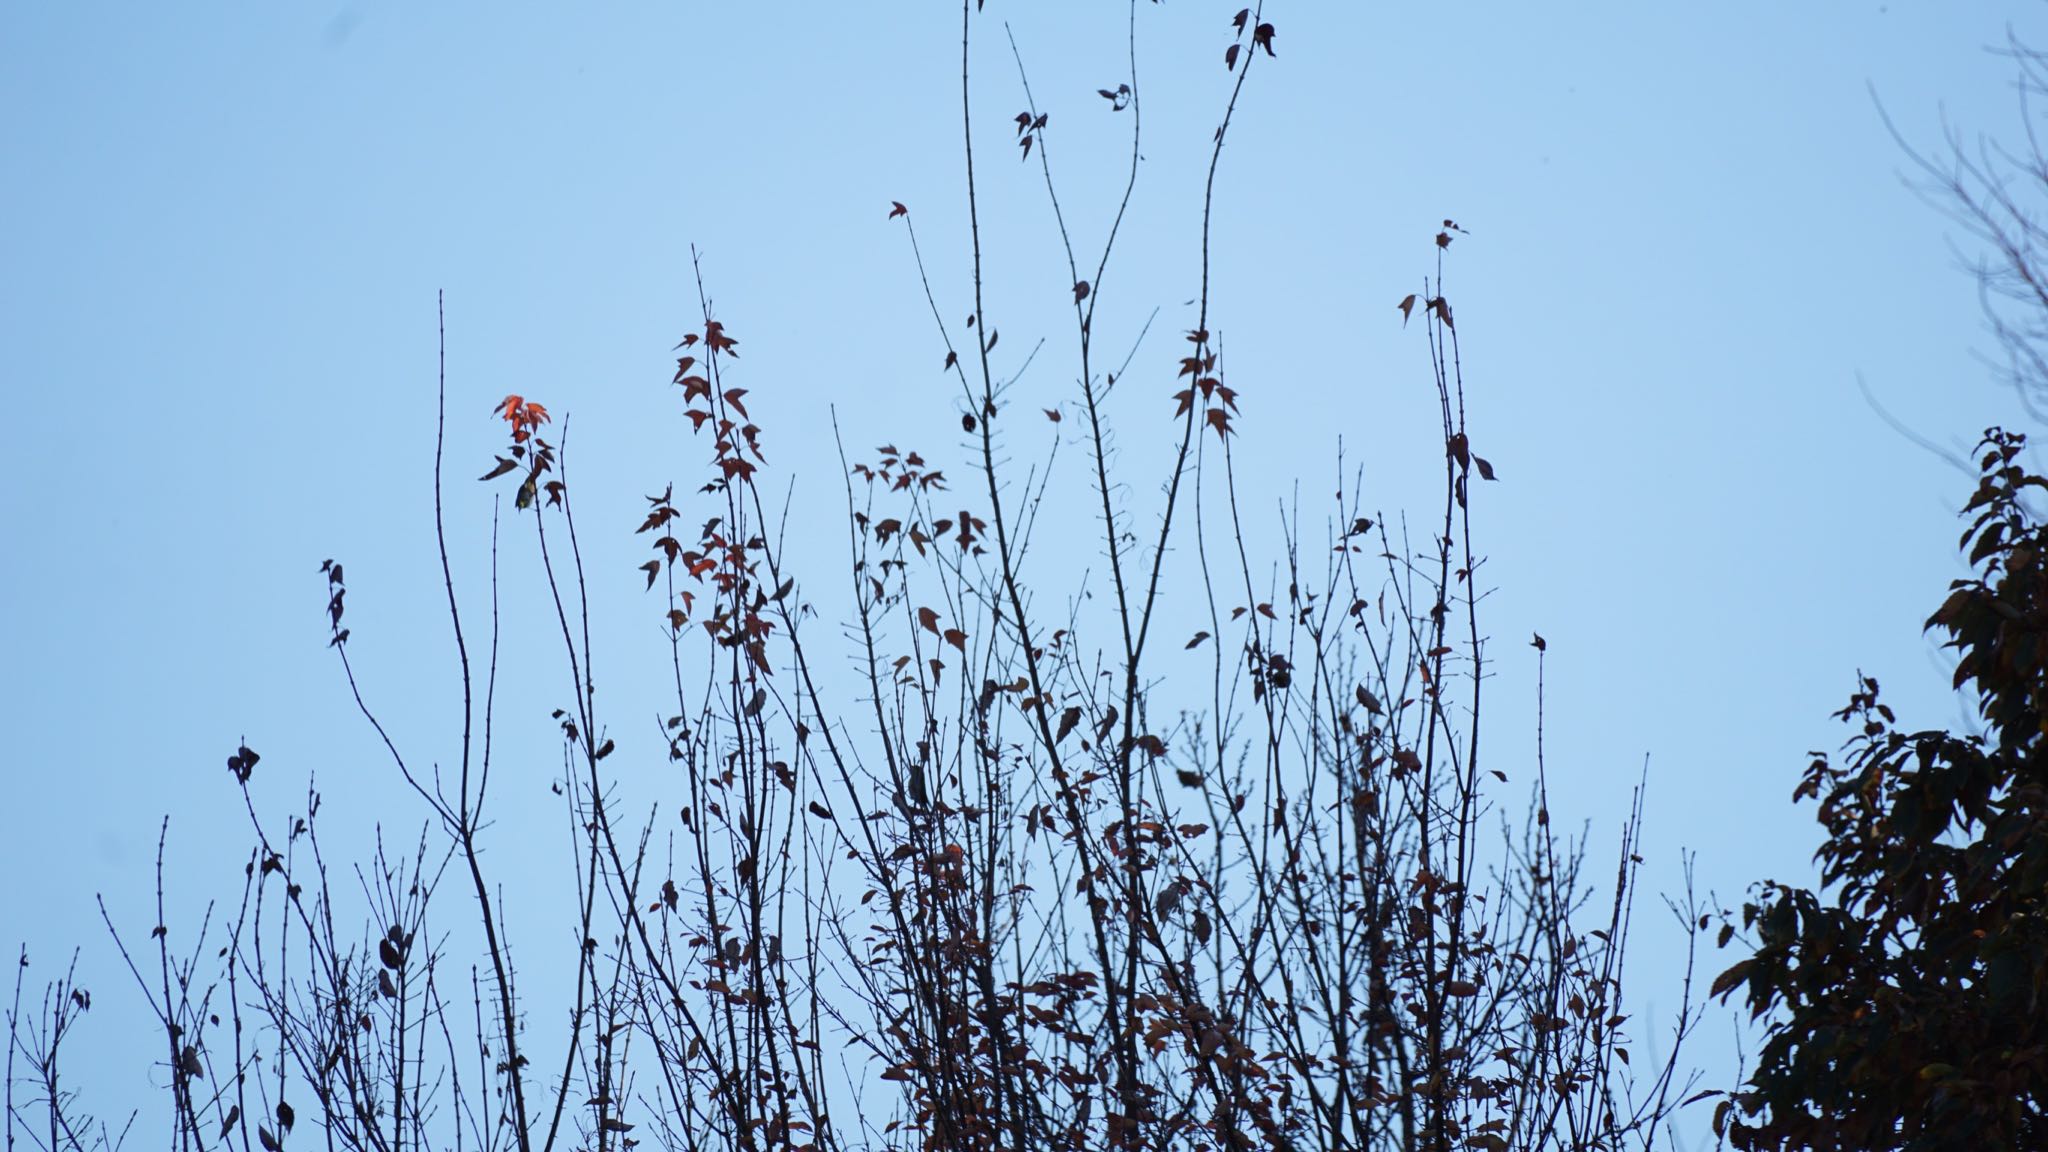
{"points": [[1908, 991]]}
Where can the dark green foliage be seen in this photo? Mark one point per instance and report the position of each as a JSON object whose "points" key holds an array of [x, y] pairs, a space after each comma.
{"points": [[1907, 996]]}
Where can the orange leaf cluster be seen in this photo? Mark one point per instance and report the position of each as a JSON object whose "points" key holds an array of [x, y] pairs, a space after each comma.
{"points": [[1208, 385], [524, 416], [528, 448]]}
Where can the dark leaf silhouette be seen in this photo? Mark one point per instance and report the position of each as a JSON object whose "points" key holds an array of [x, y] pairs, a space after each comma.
{"points": [[1924, 861]]}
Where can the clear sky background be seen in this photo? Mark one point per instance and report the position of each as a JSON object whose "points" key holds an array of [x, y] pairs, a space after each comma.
{"points": [[222, 228]]}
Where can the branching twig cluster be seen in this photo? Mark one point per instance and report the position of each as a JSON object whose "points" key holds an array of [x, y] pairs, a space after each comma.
{"points": [[1025, 884]]}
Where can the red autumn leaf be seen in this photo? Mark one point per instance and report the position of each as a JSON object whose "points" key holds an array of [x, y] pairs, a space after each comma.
{"points": [[1052, 414], [952, 358], [1262, 37], [956, 638], [929, 620], [1080, 291], [1237, 21], [896, 209], [1230, 57]]}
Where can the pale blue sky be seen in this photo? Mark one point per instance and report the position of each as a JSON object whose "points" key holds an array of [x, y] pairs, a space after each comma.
{"points": [[222, 228]]}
